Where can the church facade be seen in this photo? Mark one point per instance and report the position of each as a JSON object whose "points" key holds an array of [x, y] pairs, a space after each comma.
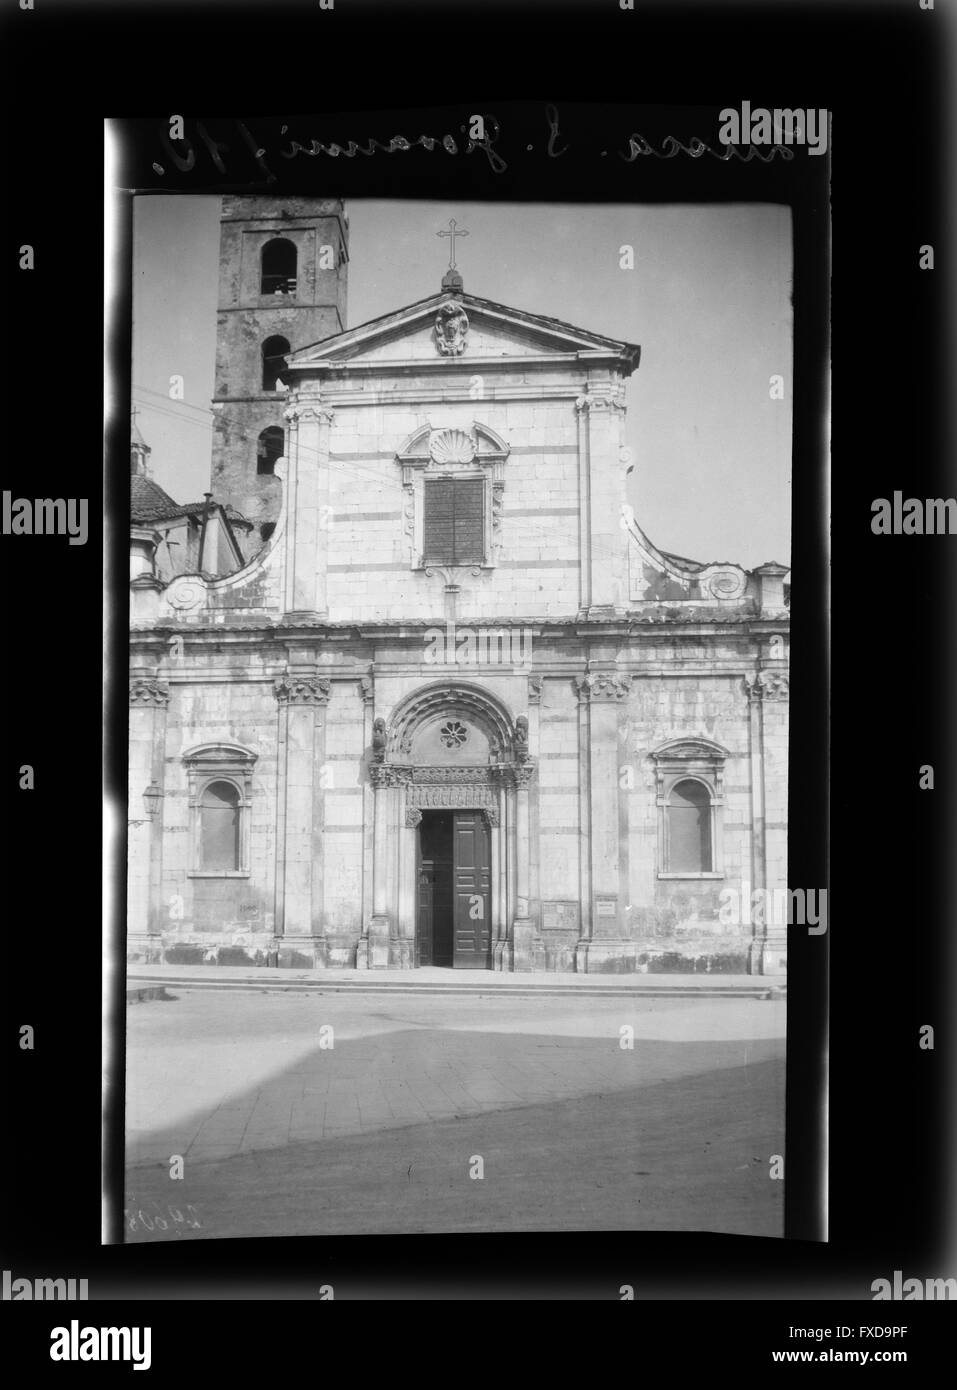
{"points": [[457, 709]]}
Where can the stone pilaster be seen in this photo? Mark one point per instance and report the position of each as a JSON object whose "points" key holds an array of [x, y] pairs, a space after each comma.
{"points": [[770, 687], [603, 945], [376, 950], [302, 698], [307, 508], [604, 544], [146, 917], [528, 950]]}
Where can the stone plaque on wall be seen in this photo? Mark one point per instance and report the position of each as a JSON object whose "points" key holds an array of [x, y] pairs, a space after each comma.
{"points": [[559, 916], [606, 907]]}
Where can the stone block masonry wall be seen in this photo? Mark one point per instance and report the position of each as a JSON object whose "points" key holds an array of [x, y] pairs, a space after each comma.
{"points": [[228, 918], [368, 542], [675, 921]]}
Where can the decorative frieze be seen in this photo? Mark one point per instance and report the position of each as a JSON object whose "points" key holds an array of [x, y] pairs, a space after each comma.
{"points": [[450, 796], [767, 685], [301, 690], [469, 776], [148, 692]]}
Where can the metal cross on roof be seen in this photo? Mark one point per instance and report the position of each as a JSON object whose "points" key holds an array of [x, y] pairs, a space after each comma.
{"points": [[453, 231]]}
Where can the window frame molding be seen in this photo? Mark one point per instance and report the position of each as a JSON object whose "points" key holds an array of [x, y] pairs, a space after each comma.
{"points": [[219, 762], [452, 452], [690, 760]]}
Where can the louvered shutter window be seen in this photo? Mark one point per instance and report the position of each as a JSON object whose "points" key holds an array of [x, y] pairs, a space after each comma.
{"points": [[454, 521]]}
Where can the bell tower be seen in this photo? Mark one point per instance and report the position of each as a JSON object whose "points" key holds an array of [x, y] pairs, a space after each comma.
{"points": [[282, 285]]}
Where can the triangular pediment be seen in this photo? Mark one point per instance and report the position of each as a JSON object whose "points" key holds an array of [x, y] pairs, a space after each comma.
{"points": [[449, 329]]}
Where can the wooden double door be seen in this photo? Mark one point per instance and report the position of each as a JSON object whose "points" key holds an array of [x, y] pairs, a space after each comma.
{"points": [[453, 902]]}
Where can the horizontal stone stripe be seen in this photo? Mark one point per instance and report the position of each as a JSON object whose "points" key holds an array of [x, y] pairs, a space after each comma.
{"points": [[344, 456], [544, 449], [363, 567], [343, 829], [558, 830], [541, 511], [363, 454], [339, 515], [538, 565]]}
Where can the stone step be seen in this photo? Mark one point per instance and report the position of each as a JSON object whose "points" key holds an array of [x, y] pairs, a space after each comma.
{"points": [[645, 986]]}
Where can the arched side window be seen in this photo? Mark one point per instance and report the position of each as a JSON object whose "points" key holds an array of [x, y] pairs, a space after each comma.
{"points": [[688, 842], [219, 817], [278, 267], [274, 353], [689, 776], [269, 448], [220, 778]]}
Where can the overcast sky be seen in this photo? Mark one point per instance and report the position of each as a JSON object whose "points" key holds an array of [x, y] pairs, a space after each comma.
{"points": [[708, 300]]}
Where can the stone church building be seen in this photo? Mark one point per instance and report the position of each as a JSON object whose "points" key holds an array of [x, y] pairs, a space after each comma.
{"points": [[455, 708]]}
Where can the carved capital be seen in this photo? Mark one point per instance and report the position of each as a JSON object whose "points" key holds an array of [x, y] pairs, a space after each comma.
{"points": [[601, 398], [149, 692], [413, 815], [309, 410], [767, 685], [389, 775], [522, 774], [301, 690], [602, 685]]}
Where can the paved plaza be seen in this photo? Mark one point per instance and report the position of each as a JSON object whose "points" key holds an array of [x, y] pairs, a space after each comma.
{"points": [[299, 1114]]}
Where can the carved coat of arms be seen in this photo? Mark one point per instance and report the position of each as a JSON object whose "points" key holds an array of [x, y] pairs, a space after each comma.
{"points": [[451, 329]]}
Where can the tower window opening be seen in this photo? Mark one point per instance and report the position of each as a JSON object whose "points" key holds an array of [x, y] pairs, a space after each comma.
{"points": [[269, 449], [274, 352], [278, 267]]}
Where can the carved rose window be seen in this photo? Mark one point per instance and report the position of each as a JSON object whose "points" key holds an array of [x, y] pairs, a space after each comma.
{"points": [[453, 734]]}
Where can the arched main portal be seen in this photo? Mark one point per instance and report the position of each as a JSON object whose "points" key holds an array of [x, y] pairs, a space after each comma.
{"points": [[450, 773]]}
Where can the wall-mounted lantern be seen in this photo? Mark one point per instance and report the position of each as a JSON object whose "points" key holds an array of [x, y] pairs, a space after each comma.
{"points": [[151, 799]]}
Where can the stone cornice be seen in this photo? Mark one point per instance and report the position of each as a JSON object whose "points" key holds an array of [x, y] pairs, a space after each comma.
{"points": [[650, 624]]}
